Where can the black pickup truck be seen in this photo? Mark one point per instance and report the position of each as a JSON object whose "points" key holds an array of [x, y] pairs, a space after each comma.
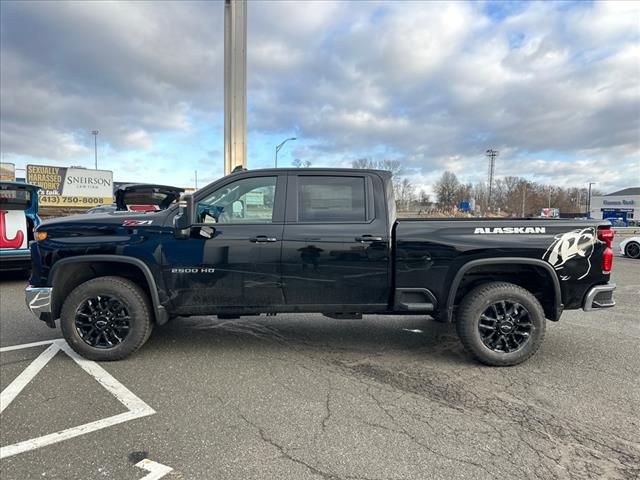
{"points": [[312, 240]]}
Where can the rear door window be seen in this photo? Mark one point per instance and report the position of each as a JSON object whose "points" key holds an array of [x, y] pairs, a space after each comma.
{"points": [[331, 199]]}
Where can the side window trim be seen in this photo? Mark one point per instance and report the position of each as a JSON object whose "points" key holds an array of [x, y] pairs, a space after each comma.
{"points": [[278, 203], [293, 199]]}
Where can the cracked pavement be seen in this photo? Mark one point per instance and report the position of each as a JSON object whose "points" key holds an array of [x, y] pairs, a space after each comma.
{"points": [[308, 397]]}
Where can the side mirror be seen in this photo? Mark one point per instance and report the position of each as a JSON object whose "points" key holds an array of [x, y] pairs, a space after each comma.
{"points": [[184, 219]]}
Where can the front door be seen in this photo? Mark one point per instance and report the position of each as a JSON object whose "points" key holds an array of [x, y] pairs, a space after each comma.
{"points": [[231, 262]]}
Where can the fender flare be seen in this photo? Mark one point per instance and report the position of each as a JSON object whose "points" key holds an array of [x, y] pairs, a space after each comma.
{"points": [[159, 310], [453, 289]]}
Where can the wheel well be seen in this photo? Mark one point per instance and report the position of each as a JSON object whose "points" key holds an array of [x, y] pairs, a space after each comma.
{"points": [[530, 277], [69, 276]]}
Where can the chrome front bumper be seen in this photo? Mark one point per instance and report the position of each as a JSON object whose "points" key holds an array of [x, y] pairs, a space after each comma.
{"points": [[38, 299], [600, 297]]}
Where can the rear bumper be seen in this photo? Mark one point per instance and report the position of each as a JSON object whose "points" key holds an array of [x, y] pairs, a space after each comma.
{"points": [[15, 259], [39, 300], [600, 296]]}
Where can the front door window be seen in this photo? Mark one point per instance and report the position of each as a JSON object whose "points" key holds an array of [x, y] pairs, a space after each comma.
{"points": [[249, 200]]}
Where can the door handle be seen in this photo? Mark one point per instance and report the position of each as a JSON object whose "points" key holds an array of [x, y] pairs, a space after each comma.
{"points": [[263, 239], [368, 238]]}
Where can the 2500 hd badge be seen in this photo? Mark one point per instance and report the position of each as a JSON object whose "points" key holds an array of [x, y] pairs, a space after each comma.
{"points": [[193, 270]]}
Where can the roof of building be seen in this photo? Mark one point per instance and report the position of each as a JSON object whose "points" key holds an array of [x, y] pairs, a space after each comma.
{"points": [[625, 192]]}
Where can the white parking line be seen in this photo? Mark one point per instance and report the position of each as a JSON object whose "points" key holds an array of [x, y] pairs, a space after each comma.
{"points": [[156, 470], [15, 387], [28, 345], [136, 407]]}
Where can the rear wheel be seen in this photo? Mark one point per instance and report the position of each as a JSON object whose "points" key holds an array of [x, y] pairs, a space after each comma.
{"points": [[106, 318], [632, 250], [501, 324]]}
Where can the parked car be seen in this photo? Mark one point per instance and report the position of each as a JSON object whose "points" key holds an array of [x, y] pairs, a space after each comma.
{"points": [[630, 247], [18, 218], [314, 240]]}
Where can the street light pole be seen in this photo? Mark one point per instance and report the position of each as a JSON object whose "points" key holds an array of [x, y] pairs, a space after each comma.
{"points": [[278, 147], [589, 200], [95, 145]]}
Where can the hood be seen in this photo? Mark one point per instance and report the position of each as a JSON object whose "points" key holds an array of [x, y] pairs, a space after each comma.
{"points": [[146, 197]]}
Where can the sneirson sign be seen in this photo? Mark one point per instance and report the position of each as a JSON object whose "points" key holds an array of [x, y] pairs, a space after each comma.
{"points": [[618, 202], [71, 187]]}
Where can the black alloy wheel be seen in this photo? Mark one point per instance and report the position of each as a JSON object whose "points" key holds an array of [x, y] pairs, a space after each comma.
{"points": [[505, 326], [102, 321], [500, 323], [106, 318]]}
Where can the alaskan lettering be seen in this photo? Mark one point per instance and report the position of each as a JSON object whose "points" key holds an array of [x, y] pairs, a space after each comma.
{"points": [[508, 230]]}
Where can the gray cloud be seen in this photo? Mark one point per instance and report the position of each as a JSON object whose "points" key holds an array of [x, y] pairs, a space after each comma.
{"points": [[130, 68], [431, 83]]}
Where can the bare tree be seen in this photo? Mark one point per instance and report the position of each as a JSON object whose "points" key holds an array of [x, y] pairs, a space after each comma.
{"points": [[446, 189], [405, 193], [393, 166], [301, 163], [423, 198]]}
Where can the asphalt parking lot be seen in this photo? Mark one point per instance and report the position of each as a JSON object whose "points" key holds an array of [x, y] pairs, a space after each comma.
{"points": [[307, 397]]}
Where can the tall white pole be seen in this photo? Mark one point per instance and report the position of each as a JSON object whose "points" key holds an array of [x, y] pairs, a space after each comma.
{"points": [[235, 84]]}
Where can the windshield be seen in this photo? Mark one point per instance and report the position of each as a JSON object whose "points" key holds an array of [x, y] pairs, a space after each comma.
{"points": [[14, 199]]}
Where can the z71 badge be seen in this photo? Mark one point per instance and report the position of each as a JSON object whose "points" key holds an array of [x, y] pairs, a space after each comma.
{"points": [[136, 223]]}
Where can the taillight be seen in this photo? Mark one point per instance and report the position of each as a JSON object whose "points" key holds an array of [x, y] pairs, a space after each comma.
{"points": [[606, 235]]}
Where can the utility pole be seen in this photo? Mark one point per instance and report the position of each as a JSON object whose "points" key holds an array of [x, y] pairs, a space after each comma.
{"points": [[196, 179], [235, 85], [524, 196], [589, 200], [491, 154], [95, 145], [278, 147]]}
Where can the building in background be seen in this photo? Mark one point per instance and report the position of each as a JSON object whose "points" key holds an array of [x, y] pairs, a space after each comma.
{"points": [[622, 208], [7, 172]]}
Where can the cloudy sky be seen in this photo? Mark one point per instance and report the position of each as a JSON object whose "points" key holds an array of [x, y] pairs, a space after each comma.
{"points": [[554, 86]]}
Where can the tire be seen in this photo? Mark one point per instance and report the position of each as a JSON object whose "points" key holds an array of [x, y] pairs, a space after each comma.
{"points": [[632, 250], [106, 318], [521, 326]]}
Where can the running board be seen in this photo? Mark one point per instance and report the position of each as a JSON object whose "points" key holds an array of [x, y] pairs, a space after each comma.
{"points": [[414, 300]]}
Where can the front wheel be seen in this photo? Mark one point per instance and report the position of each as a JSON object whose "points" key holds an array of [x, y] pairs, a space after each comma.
{"points": [[632, 250], [501, 324], [106, 318]]}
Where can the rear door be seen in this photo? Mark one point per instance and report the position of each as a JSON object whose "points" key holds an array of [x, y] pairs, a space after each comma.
{"points": [[335, 249]]}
